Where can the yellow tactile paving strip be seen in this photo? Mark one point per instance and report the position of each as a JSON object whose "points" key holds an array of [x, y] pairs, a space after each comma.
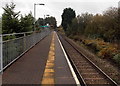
{"points": [[48, 76]]}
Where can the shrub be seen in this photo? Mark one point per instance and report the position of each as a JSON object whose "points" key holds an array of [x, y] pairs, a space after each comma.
{"points": [[76, 37], [100, 45], [116, 58], [107, 52], [70, 36], [94, 44], [103, 49], [9, 37], [87, 42]]}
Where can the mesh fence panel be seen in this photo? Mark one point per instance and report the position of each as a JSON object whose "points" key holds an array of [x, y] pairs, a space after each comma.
{"points": [[12, 49]]}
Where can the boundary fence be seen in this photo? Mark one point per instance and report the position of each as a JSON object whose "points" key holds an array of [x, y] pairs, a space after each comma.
{"points": [[11, 50]]}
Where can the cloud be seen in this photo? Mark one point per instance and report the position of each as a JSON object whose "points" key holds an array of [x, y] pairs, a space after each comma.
{"points": [[80, 7], [55, 7]]}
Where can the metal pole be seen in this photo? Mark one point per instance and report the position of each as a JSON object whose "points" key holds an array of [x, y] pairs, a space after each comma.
{"points": [[25, 48], [34, 16], [44, 20], [35, 13], [1, 55]]}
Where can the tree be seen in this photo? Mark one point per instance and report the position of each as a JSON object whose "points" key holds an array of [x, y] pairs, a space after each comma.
{"points": [[10, 22], [83, 21], [39, 23], [51, 21], [48, 20], [27, 23], [112, 29], [73, 28], [67, 17], [95, 27]]}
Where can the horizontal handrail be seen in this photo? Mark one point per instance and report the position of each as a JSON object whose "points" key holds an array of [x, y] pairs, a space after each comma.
{"points": [[16, 33]]}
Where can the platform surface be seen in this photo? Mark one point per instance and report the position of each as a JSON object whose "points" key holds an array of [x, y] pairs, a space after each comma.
{"points": [[32, 66]]}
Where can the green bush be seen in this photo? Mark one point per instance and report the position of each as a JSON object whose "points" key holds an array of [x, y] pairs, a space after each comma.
{"points": [[9, 37], [76, 37], [70, 36], [116, 58]]}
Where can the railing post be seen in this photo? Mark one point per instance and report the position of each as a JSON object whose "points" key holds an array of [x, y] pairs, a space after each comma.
{"points": [[34, 39], [24, 41], [1, 55]]}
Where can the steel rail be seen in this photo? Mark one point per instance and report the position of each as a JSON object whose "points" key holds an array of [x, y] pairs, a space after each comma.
{"points": [[94, 65], [79, 76]]}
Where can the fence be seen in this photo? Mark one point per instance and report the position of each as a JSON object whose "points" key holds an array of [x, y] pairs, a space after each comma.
{"points": [[14, 48]]}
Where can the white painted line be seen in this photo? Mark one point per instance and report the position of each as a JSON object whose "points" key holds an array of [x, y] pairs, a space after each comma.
{"points": [[70, 66]]}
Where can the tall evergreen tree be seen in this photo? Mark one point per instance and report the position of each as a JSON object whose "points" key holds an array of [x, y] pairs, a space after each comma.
{"points": [[10, 22], [67, 17]]}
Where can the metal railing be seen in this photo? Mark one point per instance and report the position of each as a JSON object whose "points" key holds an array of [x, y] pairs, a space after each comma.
{"points": [[12, 49]]}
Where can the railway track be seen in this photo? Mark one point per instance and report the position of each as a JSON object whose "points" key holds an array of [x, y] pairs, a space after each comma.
{"points": [[87, 72]]}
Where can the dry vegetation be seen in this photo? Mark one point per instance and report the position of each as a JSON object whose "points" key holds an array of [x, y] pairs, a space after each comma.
{"points": [[108, 66]]}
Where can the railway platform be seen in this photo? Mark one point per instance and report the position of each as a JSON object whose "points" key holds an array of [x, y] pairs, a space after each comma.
{"points": [[55, 60], [45, 63]]}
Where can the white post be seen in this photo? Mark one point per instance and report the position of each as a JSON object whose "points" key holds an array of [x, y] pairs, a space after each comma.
{"points": [[1, 60], [1, 55], [34, 15], [24, 42]]}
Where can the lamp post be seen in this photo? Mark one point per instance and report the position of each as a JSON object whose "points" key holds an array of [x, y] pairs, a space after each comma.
{"points": [[35, 12]]}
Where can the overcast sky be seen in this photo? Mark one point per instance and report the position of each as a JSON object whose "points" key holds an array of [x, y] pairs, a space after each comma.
{"points": [[55, 7]]}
